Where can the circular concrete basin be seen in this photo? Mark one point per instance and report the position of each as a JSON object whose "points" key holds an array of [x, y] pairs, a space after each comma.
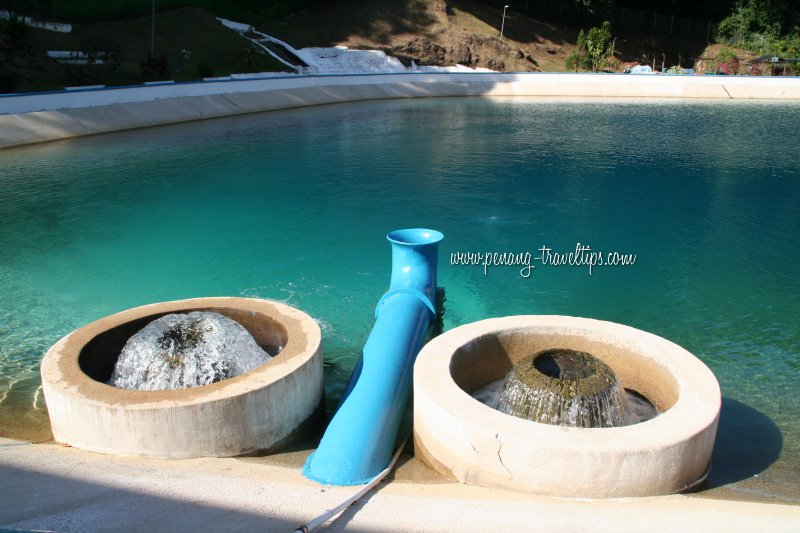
{"points": [[465, 440], [259, 411]]}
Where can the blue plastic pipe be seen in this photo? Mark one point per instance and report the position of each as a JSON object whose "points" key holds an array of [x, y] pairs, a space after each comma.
{"points": [[358, 443]]}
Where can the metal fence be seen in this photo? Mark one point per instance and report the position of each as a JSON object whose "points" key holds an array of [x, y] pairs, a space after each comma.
{"points": [[620, 17], [671, 25]]}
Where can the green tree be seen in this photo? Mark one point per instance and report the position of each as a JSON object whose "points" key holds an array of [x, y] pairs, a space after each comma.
{"points": [[579, 58], [598, 45], [595, 6], [747, 18], [763, 26], [573, 61], [155, 68], [789, 46]]}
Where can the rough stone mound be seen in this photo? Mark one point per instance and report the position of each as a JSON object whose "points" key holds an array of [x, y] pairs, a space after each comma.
{"points": [[464, 48], [564, 387], [179, 351]]}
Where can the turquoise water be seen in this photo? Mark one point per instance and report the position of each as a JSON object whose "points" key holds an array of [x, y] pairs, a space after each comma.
{"points": [[294, 206]]}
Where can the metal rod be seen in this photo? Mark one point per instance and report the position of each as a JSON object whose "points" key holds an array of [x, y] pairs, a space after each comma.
{"points": [[503, 24]]}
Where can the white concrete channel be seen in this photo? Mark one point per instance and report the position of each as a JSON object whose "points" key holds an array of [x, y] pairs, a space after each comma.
{"points": [[39, 117]]}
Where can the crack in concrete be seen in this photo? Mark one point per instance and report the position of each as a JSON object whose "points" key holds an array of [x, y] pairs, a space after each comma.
{"points": [[77, 121], [500, 447], [726, 92], [225, 97]]}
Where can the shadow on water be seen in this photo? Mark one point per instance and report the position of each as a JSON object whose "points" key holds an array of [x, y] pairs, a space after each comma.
{"points": [[748, 442]]}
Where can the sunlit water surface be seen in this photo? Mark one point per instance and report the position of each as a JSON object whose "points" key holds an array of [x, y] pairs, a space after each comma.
{"points": [[294, 206]]}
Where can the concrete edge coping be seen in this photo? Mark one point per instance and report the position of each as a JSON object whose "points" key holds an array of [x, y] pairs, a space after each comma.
{"points": [[41, 117]]}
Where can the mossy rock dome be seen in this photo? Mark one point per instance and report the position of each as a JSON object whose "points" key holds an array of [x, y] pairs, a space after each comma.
{"points": [[563, 387]]}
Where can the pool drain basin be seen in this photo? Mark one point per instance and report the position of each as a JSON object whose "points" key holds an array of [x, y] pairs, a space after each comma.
{"points": [[259, 411], [468, 441]]}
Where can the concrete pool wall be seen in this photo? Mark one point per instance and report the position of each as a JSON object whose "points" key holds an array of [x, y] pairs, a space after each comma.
{"points": [[40, 117]]}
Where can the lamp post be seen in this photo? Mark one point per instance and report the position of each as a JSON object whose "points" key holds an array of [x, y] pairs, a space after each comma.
{"points": [[614, 45], [503, 24], [153, 28]]}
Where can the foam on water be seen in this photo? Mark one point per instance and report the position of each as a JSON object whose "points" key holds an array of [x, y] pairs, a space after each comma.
{"points": [[179, 351], [637, 408], [565, 388]]}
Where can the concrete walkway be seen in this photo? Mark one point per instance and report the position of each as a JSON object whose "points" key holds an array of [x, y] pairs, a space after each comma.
{"points": [[49, 487]]}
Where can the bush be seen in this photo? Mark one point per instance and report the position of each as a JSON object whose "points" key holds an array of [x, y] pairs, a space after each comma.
{"points": [[579, 58], [612, 64], [789, 47], [8, 82], [593, 50], [103, 49], [14, 28], [727, 62], [77, 75], [251, 57], [204, 71], [249, 11], [598, 45], [573, 61], [155, 68]]}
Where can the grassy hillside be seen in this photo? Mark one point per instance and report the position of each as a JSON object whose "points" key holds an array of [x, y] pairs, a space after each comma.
{"points": [[463, 31], [192, 41], [250, 11], [427, 31], [195, 45]]}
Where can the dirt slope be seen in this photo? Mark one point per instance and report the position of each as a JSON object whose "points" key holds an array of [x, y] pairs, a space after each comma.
{"points": [[431, 32], [439, 32]]}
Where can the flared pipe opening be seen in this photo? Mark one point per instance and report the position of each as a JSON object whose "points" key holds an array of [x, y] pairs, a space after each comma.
{"points": [[414, 237], [414, 257]]}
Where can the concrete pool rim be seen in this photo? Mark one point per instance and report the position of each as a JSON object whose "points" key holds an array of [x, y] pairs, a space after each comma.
{"points": [[41, 117], [465, 440], [259, 411]]}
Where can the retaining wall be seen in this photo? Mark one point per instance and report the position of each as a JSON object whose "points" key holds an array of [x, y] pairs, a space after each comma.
{"points": [[38, 117]]}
